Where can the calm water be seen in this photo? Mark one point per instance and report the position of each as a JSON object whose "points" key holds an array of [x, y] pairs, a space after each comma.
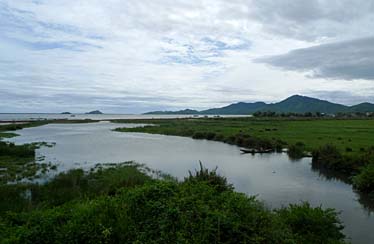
{"points": [[273, 177], [22, 117]]}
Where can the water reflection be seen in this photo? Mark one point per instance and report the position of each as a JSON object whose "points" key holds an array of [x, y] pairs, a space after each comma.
{"points": [[366, 200]]}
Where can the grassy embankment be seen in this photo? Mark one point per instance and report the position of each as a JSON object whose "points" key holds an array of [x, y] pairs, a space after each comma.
{"points": [[342, 146], [122, 204]]}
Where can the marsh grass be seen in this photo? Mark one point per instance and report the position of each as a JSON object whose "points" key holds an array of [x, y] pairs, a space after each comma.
{"points": [[73, 185]]}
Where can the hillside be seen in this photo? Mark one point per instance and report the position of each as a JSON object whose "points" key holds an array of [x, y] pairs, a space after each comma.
{"points": [[185, 111], [293, 104], [303, 104], [362, 107], [237, 108]]}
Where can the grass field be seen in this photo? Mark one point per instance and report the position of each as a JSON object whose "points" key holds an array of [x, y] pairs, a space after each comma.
{"points": [[353, 134], [342, 147]]}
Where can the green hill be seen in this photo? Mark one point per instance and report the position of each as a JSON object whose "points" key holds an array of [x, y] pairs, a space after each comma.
{"points": [[303, 104], [363, 107], [293, 104]]}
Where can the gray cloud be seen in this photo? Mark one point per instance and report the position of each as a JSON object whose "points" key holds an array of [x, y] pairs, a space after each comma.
{"points": [[343, 60], [314, 19], [342, 97]]}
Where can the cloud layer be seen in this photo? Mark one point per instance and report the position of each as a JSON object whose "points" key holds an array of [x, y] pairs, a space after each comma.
{"points": [[347, 60], [133, 56]]}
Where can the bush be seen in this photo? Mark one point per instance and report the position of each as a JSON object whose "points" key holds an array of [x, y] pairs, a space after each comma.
{"points": [[210, 135], [364, 181], [198, 135], [328, 157], [312, 225], [72, 185], [209, 177], [170, 212], [296, 151]]}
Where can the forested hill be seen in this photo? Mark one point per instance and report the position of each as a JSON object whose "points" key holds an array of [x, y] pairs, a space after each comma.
{"points": [[293, 104]]}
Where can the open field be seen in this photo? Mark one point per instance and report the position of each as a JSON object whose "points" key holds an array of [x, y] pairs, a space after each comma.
{"points": [[344, 134]]}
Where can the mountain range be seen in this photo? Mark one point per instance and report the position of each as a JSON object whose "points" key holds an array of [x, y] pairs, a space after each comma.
{"points": [[293, 104]]}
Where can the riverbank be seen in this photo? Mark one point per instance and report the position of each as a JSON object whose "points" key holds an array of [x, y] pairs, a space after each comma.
{"points": [[123, 204], [340, 146]]}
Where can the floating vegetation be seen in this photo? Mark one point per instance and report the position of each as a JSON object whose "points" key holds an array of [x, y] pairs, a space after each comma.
{"points": [[18, 162]]}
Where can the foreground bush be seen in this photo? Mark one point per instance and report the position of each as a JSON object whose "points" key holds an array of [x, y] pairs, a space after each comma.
{"points": [[202, 209], [312, 225]]}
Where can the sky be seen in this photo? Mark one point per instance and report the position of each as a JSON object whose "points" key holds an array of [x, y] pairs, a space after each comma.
{"points": [[131, 56]]}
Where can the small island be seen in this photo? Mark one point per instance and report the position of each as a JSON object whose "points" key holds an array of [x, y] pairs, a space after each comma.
{"points": [[65, 113], [95, 112]]}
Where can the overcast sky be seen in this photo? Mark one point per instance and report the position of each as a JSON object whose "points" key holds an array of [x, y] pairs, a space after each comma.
{"points": [[132, 56]]}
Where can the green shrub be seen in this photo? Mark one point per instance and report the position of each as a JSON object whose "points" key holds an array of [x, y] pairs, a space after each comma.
{"points": [[312, 225], [328, 157], [199, 135], [210, 177], [210, 135], [296, 151], [202, 209], [364, 181], [72, 185]]}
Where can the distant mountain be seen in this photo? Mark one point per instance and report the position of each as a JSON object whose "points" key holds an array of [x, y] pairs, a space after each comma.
{"points": [[95, 112], [185, 111], [363, 107], [303, 104], [293, 104], [237, 108]]}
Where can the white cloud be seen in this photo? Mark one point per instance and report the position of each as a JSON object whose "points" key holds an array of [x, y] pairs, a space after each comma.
{"points": [[133, 56]]}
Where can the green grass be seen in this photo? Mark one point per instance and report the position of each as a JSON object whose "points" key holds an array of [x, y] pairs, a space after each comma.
{"points": [[201, 209], [7, 135], [314, 133]]}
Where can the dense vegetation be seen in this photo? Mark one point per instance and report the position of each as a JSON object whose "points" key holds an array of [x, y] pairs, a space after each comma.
{"points": [[271, 114], [122, 204], [343, 146]]}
